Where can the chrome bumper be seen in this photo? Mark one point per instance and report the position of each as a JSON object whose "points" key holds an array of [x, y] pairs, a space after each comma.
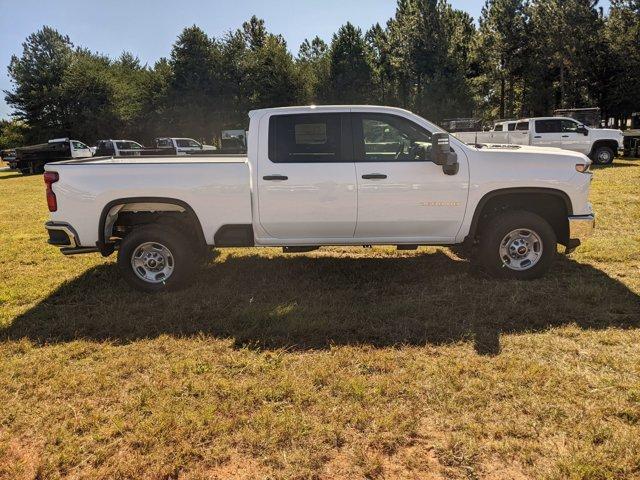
{"points": [[581, 227]]}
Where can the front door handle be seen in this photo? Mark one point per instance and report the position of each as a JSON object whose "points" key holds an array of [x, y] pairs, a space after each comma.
{"points": [[538, 136], [565, 136], [374, 176], [275, 177]]}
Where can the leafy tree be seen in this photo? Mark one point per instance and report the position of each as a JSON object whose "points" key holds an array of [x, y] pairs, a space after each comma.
{"points": [[350, 73], [88, 97], [313, 65], [622, 86], [429, 45], [194, 85], [272, 76], [12, 133], [563, 38], [36, 75], [498, 51]]}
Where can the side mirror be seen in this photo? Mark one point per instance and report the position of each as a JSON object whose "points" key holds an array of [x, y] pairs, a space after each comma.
{"points": [[442, 154], [582, 129]]}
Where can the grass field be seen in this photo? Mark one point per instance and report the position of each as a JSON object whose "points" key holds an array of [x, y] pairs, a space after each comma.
{"points": [[343, 363]]}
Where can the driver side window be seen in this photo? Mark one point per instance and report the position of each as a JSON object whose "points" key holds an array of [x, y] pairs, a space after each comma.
{"points": [[388, 138]]}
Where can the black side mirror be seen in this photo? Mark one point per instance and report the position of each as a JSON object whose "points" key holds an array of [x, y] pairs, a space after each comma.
{"points": [[442, 154], [582, 129]]}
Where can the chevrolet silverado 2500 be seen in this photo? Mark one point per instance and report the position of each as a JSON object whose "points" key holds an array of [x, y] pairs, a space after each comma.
{"points": [[313, 176]]}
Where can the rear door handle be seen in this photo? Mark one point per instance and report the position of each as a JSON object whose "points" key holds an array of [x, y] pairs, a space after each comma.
{"points": [[275, 177], [565, 136], [538, 136], [374, 176]]}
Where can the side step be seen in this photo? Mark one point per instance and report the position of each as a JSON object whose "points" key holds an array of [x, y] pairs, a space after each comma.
{"points": [[298, 249], [78, 250], [407, 247]]}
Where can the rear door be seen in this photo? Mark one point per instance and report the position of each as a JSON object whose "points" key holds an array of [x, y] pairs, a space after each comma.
{"points": [[307, 185], [401, 195], [547, 133], [520, 135]]}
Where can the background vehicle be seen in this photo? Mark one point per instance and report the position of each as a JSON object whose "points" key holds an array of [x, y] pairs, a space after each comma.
{"points": [[234, 141], [32, 159], [183, 146], [118, 148], [349, 175], [9, 156], [632, 136], [600, 144]]}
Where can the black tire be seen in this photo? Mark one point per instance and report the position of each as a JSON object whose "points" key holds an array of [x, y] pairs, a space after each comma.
{"points": [[603, 155], [499, 227], [181, 257]]}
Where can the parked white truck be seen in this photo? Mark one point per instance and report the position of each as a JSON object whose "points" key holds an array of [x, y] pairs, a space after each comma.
{"points": [[343, 175], [600, 144]]}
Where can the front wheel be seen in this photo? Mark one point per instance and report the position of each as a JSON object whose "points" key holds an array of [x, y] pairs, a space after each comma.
{"points": [[603, 156], [517, 244], [155, 258]]}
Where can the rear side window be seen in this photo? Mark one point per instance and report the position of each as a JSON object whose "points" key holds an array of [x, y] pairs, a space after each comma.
{"points": [[305, 138], [164, 143], [548, 126], [511, 126], [524, 126]]}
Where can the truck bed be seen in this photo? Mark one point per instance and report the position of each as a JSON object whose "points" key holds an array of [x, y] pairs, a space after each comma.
{"points": [[88, 188], [157, 159]]}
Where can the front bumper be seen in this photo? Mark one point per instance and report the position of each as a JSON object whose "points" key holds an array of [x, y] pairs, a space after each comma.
{"points": [[580, 227]]}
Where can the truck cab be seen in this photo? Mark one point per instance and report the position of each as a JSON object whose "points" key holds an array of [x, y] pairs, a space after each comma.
{"points": [[118, 148], [183, 146]]}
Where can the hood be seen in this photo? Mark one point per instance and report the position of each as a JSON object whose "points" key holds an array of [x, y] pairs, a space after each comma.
{"points": [[515, 149]]}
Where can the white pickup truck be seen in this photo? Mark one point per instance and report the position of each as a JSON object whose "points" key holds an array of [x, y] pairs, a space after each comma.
{"points": [[600, 144], [343, 175], [183, 146]]}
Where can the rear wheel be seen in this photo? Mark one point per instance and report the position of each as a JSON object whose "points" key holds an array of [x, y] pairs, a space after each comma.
{"points": [[603, 156], [155, 258], [517, 244]]}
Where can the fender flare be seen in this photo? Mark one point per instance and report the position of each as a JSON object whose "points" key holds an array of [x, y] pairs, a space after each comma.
{"points": [[102, 244], [515, 190]]}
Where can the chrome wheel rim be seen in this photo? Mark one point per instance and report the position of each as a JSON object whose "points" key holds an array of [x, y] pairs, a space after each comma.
{"points": [[152, 262], [604, 156], [521, 249]]}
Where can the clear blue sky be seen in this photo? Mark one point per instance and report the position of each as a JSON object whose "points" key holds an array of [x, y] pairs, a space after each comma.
{"points": [[148, 28]]}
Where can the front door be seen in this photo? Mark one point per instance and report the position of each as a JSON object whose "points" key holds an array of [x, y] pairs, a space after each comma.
{"points": [[571, 139], [401, 195], [80, 150], [307, 186]]}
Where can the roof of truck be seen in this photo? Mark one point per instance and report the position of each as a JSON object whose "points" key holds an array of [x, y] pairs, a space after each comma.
{"points": [[325, 108]]}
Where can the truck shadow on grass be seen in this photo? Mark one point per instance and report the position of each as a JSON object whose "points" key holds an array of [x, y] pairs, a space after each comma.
{"points": [[300, 302]]}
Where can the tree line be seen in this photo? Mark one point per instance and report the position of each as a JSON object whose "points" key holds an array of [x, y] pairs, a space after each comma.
{"points": [[522, 58]]}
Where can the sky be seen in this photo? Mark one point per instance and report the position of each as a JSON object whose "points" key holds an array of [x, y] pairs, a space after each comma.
{"points": [[148, 28]]}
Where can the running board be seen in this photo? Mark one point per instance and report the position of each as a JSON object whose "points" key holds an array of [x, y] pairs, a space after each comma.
{"points": [[78, 250]]}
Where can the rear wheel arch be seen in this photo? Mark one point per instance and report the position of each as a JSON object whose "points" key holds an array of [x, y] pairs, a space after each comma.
{"points": [[148, 205]]}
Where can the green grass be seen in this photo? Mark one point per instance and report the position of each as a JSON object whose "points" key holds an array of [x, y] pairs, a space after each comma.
{"points": [[342, 363]]}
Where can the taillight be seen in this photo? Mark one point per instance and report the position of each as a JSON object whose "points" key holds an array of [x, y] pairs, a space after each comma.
{"points": [[49, 179]]}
